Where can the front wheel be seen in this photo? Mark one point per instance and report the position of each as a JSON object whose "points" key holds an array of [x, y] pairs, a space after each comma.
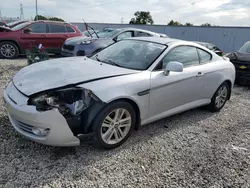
{"points": [[114, 124], [220, 98]]}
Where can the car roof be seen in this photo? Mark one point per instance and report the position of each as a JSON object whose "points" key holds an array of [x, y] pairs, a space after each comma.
{"points": [[50, 21], [160, 40]]}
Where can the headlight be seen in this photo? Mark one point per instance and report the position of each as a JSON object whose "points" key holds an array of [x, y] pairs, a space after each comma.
{"points": [[86, 41], [70, 101]]}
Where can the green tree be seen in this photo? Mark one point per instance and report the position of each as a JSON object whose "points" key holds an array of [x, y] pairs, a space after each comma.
{"points": [[56, 19], [174, 23], [206, 25], [40, 17], [188, 24], [142, 17]]}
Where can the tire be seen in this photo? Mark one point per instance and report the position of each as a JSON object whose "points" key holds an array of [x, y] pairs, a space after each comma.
{"points": [[13, 53], [214, 105], [108, 130]]}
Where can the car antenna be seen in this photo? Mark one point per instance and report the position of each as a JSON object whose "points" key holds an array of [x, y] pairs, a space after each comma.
{"points": [[87, 26]]}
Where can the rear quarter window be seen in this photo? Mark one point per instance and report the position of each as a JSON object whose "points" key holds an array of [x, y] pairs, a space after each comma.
{"points": [[204, 56], [56, 28], [69, 29]]}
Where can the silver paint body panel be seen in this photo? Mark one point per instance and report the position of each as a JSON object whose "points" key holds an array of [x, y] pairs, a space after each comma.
{"points": [[162, 95]]}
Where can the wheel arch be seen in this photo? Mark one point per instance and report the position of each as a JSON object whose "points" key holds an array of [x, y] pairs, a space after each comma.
{"points": [[134, 105], [13, 41], [230, 88]]}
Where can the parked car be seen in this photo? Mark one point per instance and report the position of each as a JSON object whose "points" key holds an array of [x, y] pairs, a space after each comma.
{"points": [[241, 61], [211, 47], [51, 34], [82, 46], [130, 83]]}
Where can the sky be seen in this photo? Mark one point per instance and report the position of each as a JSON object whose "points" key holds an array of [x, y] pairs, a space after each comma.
{"points": [[216, 12]]}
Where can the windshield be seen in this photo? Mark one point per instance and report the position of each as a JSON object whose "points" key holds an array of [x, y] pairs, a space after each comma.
{"points": [[245, 48], [107, 32], [20, 26], [132, 54]]}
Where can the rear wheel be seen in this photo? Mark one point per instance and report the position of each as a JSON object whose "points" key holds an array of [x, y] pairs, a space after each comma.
{"points": [[220, 98], [8, 50], [114, 124]]}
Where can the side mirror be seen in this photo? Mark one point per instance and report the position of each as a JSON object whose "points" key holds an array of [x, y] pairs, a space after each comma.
{"points": [[27, 31], [115, 39], [174, 67]]}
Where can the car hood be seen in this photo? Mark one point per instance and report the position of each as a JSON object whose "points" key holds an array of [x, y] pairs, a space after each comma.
{"points": [[239, 56], [75, 40], [62, 72]]}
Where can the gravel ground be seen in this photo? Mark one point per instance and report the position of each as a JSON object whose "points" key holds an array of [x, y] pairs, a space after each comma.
{"points": [[193, 149]]}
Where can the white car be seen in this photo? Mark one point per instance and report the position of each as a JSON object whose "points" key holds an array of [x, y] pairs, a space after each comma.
{"points": [[130, 83]]}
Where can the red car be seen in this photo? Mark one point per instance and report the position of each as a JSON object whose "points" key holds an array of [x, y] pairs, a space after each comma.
{"points": [[24, 36]]}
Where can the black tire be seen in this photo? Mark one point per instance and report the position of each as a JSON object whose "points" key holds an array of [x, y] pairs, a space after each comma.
{"points": [[13, 46], [212, 106], [99, 142]]}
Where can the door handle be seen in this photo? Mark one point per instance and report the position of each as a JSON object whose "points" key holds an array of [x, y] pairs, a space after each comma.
{"points": [[44, 35], [199, 74]]}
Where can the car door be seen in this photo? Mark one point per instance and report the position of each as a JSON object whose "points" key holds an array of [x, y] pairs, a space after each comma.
{"points": [[211, 74], [57, 35], [178, 91], [38, 35]]}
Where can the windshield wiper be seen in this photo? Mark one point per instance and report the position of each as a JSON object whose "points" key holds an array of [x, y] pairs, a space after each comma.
{"points": [[111, 63]]}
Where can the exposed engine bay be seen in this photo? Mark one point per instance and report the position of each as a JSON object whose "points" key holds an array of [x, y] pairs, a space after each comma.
{"points": [[72, 101]]}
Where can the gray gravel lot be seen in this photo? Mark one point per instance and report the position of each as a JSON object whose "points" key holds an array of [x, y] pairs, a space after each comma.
{"points": [[193, 149]]}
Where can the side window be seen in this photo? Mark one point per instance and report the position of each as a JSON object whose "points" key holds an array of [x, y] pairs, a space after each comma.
{"points": [[186, 55], [143, 34], [69, 29], [124, 35], [38, 28], [204, 56], [54, 28]]}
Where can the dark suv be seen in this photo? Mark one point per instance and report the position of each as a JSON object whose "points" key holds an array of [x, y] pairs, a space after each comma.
{"points": [[81, 46], [51, 34]]}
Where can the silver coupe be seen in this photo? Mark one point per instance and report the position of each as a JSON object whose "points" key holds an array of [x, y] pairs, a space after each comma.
{"points": [[130, 83]]}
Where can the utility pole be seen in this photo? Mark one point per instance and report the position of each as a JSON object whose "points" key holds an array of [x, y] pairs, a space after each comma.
{"points": [[36, 11], [1, 15], [21, 12], [122, 20]]}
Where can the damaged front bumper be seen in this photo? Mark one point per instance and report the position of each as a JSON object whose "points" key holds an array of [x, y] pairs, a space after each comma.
{"points": [[49, 127]]}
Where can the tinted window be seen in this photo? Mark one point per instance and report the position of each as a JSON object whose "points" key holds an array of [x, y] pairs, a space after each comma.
{"points": [[204, 56], [143, 34], [54, 28], [69, 29], [124, 35], [186, 55], [38, 28]]}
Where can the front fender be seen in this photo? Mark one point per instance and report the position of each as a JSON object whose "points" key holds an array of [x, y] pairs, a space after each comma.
{"points": [[124, 87]]}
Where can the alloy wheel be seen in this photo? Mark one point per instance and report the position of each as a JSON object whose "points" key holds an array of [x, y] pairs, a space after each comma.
{"points": [[8, 51], [221, 97], [116, 126]]}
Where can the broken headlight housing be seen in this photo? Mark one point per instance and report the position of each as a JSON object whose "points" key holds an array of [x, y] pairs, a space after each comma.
{"points": [[71, 101]]}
